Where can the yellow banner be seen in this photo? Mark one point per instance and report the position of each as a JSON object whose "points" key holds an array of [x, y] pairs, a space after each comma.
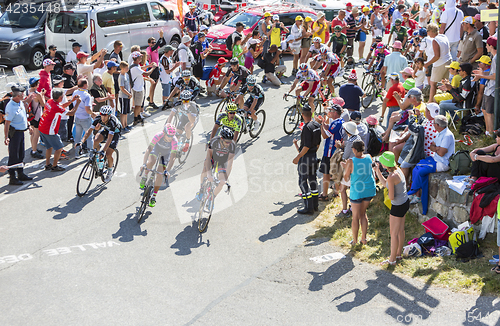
{"points": [[489, 15]]}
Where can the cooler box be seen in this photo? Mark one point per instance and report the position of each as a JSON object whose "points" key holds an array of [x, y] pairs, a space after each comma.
{"points": [[206, 72], [437, 227]]}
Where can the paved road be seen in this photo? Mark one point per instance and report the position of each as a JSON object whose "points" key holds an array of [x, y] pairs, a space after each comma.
{"points": [[66, 260]]}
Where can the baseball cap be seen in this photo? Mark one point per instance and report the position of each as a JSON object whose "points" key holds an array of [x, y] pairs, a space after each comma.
{"points": [[76, 44], [168, 47], [33, 80], [355, 116], [56, 79], [477, 17], [18, 88], [299, 18], [276, 17], [267, 14], [306, 107], [338, 100], [48, 62], [203, 28], [201, 34], [112, 64], [137, 54], [468, 20], [366, 9], [485, 59], [308, 19], [81, 54], [441, 5], [433, 109], [68, 66], [409, 83], [492, 40], [348, 4], [394, 76], [397, 45], [414, 92], [336, 107], [221, 61], [454, 65]]}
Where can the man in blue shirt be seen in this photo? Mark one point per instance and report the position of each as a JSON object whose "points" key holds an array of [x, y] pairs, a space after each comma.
{"points": [[16, 123], [351, 93]]}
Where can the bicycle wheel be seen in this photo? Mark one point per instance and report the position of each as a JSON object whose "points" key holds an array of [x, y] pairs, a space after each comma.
{"points": [[221, 107], [206, 208], [370, 95], [291, 120], [261, 117], [146, 196], [85, 179], [336, 87], [367, 79], [115, 156], [182, 156]]}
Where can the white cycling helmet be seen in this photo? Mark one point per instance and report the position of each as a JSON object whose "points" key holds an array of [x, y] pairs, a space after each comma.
{"points": [[186, 73], [317, 39], [106, 109], [185, 95], [251, 80], [304, 66]]}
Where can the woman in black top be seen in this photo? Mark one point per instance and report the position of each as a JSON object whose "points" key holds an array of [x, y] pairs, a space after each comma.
{"points": [[486, 160]]}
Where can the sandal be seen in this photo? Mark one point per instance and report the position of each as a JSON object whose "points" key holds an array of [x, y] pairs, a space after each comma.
{"points": [[364, 241], [398, 258], [323, 198], [352, 243], [388, 262], [496, 269]]}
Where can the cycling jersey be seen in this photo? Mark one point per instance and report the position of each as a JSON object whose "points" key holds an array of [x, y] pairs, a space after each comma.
{"points": [[331, 58], [161, 146], [235, 124], [240, 75], [338, 42], [185, 109], [191, 21], [313, 50], [310, 76], [220, 153], [381, 54], [401, 34], [257, 91], [112, 126], [193, 84]]}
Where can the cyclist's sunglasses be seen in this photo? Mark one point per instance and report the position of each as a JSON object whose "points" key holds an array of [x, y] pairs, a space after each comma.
{"points": [[231, 112], [250, 84], [185, 101]]}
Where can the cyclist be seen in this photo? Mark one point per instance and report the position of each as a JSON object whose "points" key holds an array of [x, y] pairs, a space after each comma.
{"points": [[379, 57], [163, 145], [108, 128], [338, 41], [237, 75], [315, 47], [373, 47], [310, 83], [401, 32], [254, 102], [188, 111], [229, 119], [329, 63], [187, 82], [221, 150]]}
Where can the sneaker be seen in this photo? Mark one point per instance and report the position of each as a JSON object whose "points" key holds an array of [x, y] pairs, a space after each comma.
{"points": [[152, 202], [39, 151], [109, 175], [24, 177], [48, 167], [294, 72], [145, 114], [264, 80], [15, 182], [199, 196], [343, 215], [153, 105], [256, 125], [77, 152], [142, 184], [57, 168], [415, 200], [186, 147], [36, 155]]}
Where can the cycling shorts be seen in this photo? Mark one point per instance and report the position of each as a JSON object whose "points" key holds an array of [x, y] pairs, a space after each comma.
{"points": [[165, 154], [222, 166], [315, 87], [114, 141], [248, 103], [183, 121], [334, 70]]}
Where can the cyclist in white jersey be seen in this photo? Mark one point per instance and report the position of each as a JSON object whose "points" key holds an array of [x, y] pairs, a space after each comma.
{"points": [[309, 83]]}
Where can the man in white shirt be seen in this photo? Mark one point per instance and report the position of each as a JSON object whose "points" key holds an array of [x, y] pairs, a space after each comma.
{"points": [[451, 19], [84, 68], [71, 57], [186, 57], [137, 82], [295, 42]]}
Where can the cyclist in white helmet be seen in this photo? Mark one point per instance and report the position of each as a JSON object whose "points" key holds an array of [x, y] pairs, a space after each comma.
{"points": [[309, 83], [188, 111], [315, 47]]}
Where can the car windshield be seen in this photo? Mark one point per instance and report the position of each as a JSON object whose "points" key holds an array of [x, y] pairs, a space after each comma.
{"points": [[20, 19], [247, 19]]}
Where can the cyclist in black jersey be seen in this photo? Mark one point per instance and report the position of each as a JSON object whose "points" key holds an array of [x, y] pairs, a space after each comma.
{"points": [[187, 82], [254, 102], [107, 127], [229, 119], [238, 76], [188, 112], [221, 150]]}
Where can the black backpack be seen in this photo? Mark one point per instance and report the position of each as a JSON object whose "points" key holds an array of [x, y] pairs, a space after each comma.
{"points": [[229, 41], [472, 125], [375, 142], [130, 75], [175, 56]]}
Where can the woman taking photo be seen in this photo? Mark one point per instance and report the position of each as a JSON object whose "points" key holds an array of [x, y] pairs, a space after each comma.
{"points": [[400, 204], [486, 160], [306, 39], [358, 171]]}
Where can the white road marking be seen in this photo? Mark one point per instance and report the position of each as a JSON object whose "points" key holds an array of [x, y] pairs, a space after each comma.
{"points": [[328, 257]]}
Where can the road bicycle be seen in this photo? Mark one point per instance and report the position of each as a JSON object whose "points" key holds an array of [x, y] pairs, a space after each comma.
{"points": [[149, 185], [372, 89], [248, 123], [181, 138], [95, 167], [208, 198], [221, 107], [293, 114]]}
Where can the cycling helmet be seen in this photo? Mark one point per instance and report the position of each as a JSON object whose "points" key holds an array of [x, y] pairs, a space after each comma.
{"points": [[231, 107], [380, 45], [398, 21], [106, 109], [317, 39], [323, 51], [185, 95], [415, 33], [234, 61], [303, 66], [378, 38], [186, 73], [337, 28], [251, 80], [422, 32], [226, 133], [192, 6], [169, 129]]}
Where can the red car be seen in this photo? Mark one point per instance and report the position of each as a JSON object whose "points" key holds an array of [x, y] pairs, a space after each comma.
{"points": [[251, 18]]}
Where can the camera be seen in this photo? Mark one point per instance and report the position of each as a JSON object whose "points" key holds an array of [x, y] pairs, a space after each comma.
{"points": [[375, 162]]}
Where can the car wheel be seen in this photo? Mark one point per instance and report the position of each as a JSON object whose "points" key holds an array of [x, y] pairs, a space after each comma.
{"points": [[36, 58], [175, 42]]}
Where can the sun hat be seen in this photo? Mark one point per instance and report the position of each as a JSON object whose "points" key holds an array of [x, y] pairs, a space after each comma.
{"points": [[387, 158], [397, 45], [81, 54], [454, 65], [366, 9], [33, 80], [353, 75], [48, 62], [371, 120], [355, 10], [485, 59], [185, 39], [408, 71], [136, 54], [433, 109], [351, 128], [338, 100], [409, 83], [321, 14]]}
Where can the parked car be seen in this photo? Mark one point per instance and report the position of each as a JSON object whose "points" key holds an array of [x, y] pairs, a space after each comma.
{"points": [[251, 18], [22, 35], [97, 27]]}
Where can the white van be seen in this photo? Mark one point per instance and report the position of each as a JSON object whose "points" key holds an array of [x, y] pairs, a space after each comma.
{"points": [[331, 8], [97, 26]]}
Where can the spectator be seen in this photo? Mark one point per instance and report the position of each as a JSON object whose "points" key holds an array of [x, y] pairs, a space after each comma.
{"points": [[99, 92], [199, 55], [397, 14], [488, 106], [63, 125], [56, 58], [108, 80], [45, 78], [70, 82], [264, 29], [484, 65], [351, 92], [306, 41], [410, 24], [137, 80], [443, 148], [205, 43], [362, 128], [239, 32], [84, 68], [393, 63], [331, 131], [133, 48], [185, 55], [468, 11], [352, 29], [426, 51], [378, 21], [319, 27], [415, 10], [16, 123], [167, 67], [424, 16], [124, 95], [339, 21], [396, 186], [389, 100], [214, 79], [83, 116], [254, 51], [340, 102], [35, 113], [472, 46], [153, 56], [406, 73], [453, 68], [419, 73], [272, 70], [462, 95], [436, 14], [296, 36], [71, 56], [486, 160], [117, 56], [450, 20], [192, 21], [483, 5], [49, 127], [482, 29], [441, 59], [358, 171], [238, 51], [365, 28], [277, 28], [400, 33]]}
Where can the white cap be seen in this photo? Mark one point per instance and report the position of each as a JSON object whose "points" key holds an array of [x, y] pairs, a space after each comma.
{"points": [[276, 17], [8, 87], [433, 109], [185, 39]]}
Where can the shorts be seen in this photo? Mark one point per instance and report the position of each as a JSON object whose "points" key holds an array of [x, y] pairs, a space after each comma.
{"points": [[428, 71], [52, 141], [489, 104], [359, 201], [440, 72], [222, 166], [314, 90], [138, 98], [198, 71], [155, 75], [324, 166], [114, 141], [305, 43], [248, 103], [295, 50], [334, 70], [183, 121], [165, 157], [166, 89], [124, 105], [34, 123], [400, 210], [362, 37]]}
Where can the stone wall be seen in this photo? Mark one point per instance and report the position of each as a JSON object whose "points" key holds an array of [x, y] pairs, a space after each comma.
{"points": [[445, 203]]}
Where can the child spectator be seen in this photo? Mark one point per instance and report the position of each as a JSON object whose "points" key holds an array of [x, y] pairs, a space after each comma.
{"points": [[419, 73], [238, 51], [124, 95]]}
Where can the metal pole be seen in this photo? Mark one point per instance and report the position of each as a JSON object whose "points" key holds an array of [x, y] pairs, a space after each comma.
{"points": [[497, 79]]}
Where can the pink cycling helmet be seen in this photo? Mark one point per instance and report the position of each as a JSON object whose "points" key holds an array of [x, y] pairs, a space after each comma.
{"points": [[380, 45], [169, 129]]}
